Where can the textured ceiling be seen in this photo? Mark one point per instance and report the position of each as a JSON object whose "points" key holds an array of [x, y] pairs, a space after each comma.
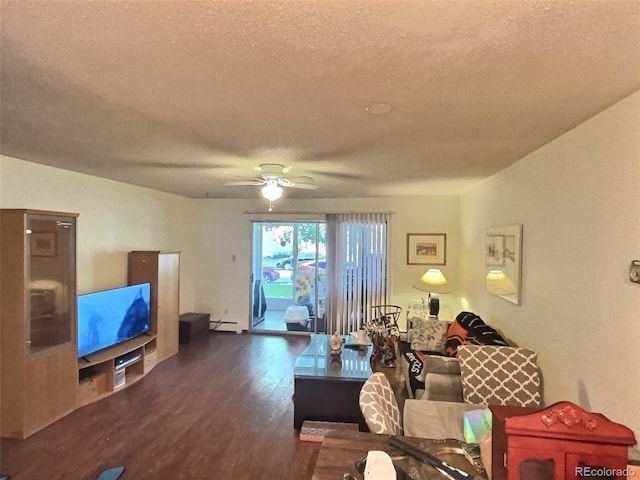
{"points": [[183, 96]]}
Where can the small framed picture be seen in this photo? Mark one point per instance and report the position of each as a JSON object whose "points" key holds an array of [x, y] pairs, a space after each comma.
{"points": [[426, 249], [43, 244]]}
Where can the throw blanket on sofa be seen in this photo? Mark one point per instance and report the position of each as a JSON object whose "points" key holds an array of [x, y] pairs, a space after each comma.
{"points": [[415, 359], [470, 329]]}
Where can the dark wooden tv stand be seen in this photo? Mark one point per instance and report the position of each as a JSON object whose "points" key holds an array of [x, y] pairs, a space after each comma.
{"points": [[99, 375]]}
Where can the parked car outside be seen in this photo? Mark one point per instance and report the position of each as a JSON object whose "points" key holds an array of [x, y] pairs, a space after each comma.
{"points": [[310, 267], [287, 262], [269, 274]]}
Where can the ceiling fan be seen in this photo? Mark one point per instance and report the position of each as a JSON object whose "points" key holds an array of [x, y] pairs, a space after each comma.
{"points": [[272, 180]]}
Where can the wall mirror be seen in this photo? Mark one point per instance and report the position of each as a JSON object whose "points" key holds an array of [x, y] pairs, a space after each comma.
{"points": [[504, 262]]}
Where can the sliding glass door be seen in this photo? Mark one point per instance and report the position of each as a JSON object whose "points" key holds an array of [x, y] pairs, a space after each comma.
{"points": [[289, 276]]}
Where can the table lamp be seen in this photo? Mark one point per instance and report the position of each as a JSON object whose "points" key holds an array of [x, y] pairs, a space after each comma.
{"points": [[434, 282]]}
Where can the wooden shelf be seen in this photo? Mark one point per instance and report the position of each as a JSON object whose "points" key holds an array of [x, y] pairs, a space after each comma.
{"points": [[150, 356], [95, 386], [134, 372], [116, 351], [97, 374]]}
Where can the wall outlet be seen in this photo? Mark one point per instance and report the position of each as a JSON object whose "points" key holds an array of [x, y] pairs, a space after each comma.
{"points": [[634, 271]]}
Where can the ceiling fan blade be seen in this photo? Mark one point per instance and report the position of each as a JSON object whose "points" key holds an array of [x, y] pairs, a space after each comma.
{"points": [[304, 186], [245, 182], [342, 176], [283, 182], [300, 179], [173, 165]]}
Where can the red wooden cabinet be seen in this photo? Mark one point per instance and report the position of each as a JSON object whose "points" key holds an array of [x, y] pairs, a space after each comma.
{"points": [[565, 441]]}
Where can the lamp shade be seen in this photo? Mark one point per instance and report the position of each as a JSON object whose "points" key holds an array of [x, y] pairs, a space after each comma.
{"points": [[272, 191], [499, 283], [433, 281]]}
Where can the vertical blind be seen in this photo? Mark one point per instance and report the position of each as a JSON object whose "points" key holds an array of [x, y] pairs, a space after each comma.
{"points": [[357, 266]]}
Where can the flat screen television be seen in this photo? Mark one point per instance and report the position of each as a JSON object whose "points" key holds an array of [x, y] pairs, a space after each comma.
{"points": [[113, 316]]}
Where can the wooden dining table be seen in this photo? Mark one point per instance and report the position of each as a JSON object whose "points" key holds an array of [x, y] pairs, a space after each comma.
{"points": [[341, 449]]}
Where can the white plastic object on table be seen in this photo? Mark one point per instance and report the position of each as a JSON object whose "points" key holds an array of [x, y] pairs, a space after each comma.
{"points": [[379, 466]]}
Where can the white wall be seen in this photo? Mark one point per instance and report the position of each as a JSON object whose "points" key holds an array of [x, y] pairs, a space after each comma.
{"points": [[222, 283], [578, 199], [114, 219]]}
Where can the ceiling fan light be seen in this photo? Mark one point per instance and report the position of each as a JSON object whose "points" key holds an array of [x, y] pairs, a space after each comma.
{"points": [[272, 192], [378, 109]]}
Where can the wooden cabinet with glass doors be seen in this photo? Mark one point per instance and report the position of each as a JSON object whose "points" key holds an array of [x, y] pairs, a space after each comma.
{"points": [[38, 328]]}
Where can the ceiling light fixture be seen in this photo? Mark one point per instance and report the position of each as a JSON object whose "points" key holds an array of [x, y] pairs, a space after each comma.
{"points": [[271, 191], [378, 109]]}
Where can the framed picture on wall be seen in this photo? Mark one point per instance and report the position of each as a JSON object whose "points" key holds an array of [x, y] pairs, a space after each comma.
{"points": [[426, 249]]}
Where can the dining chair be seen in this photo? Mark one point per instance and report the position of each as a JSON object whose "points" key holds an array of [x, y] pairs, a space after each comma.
{"points": [[379, 406]]}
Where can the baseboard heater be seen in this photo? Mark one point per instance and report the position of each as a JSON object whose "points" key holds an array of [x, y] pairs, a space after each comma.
{"points": [[213, 324]]}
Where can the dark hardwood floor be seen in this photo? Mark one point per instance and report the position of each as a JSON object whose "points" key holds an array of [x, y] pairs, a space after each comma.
{"points": [[220, 409]]}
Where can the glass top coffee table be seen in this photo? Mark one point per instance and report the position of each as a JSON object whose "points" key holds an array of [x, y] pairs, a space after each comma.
{"points": [[327, 387]]}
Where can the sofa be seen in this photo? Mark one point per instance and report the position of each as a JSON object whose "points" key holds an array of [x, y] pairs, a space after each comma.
{"points": [[429, 356], [452, 368]]}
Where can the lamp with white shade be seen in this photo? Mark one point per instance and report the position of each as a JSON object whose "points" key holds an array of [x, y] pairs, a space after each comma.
{"points": [[434, 282], [499, 283]]}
